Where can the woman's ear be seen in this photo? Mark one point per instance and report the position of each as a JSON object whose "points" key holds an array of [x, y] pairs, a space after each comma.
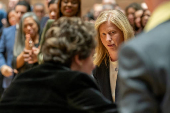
{"points": [[76, 64], [77, 60]]}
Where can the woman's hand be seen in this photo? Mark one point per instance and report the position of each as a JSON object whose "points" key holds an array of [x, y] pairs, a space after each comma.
{"points": [[28, 42], [34, 55], [27, 55], [30, 56]]}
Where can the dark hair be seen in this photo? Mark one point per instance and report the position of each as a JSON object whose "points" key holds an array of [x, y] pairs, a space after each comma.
{"points": [[59, 14], [69, 36], [26, 4], [52, 2], [134, 5], [38, 4]]}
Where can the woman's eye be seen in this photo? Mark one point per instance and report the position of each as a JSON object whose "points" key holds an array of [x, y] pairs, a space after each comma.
{"points": [[112, 32], [74, 2], [103, 34], [65, 1]]}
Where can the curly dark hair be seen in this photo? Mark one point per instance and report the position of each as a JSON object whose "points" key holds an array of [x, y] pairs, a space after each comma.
{"points": [[68, 37]]}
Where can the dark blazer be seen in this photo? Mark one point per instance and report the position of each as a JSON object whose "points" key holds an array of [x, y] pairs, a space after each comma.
{"points": [[53, 88], [102, 75], [6, 50], [144, 72]]}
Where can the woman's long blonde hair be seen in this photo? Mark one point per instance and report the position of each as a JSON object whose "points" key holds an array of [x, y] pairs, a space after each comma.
{"points": [[118, 19]]}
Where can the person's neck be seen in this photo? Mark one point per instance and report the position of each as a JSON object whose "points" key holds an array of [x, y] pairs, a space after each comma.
{"points": [[113, 56]]}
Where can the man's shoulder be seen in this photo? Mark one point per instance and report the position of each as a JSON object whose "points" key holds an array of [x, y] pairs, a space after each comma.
{"points": [[8, 29], [157, 36]]}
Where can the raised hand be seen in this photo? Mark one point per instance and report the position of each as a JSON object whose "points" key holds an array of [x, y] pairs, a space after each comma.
{"points": [[28, 42]]}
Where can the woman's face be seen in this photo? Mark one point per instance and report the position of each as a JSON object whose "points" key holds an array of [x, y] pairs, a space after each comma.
{"points": [[111, 36], [52, 11], [12, 18], [138, 15], [130, 15], [30, 27], [146, 17], [69, 8], [87, 64]]}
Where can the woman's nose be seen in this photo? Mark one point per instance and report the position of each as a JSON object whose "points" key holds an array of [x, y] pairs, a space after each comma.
{"points": [[108, 37], [28, 28], [52, 13], [69, 4]]}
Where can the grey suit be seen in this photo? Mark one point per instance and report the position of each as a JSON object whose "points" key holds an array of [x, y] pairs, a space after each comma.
{"points": [[144, 72]]}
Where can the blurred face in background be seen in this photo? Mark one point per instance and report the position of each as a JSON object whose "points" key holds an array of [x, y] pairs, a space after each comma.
{"points": [[30, 27], [97, 10], [20, 11], [12, 18], [52, 11], [12, 3], [39, 11], [145, 17], [138, 15], [70, 8], [130, 15]]}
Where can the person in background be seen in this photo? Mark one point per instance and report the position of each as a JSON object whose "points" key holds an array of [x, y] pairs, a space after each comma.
{"points": [[97, 10], [52, 9], [62, 84], [2, 17], [145, 17], [11, 18], [144, 65], [12, 4], [26, 42], [138, 26], [108, 2], [69, 8], [2, 6], [39, 10], [130, 12], [7, 44], [113, 29]]}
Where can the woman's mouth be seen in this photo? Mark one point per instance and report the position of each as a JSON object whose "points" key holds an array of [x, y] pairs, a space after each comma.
{"points": [[68, 10], [110, 45]]}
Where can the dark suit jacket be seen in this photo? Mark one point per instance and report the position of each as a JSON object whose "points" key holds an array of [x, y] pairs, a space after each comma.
{"points": [[144, 71], [53, 88], [6, 50], [102, 75]]}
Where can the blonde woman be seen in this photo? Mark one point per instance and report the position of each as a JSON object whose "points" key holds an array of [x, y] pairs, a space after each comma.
{"points": [[113, 29]]}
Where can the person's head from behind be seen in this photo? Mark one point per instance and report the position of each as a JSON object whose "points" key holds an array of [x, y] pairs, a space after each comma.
{"points": [[130, 12], [52, 7], [39, 10], [112, 28], [11, 17], [70, 42], [69, 8], [21, 8], [29, 24]]}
